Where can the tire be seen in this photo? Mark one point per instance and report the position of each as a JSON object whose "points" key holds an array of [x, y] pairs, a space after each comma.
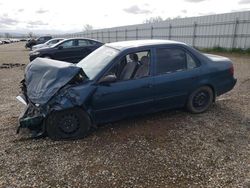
{"points": [[71, 123], [200, 100]]}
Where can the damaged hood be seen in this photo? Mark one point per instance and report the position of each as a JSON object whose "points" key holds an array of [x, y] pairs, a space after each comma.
{"points": [[44, 77]]}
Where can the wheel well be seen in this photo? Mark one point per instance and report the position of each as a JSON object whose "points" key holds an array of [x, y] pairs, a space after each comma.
{"points": [[208, 85], [91, 116], [214, 93], [81, 107]]}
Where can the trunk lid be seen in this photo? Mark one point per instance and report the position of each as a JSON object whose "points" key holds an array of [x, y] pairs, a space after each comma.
{"points": [[216, 58]]}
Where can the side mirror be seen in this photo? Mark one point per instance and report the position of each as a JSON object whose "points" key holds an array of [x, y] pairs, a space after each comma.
{"points": [[108, 79], [60, 47]]}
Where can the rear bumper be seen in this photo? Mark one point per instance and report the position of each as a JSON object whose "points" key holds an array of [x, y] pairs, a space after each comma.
{"points": [[226, 86]]}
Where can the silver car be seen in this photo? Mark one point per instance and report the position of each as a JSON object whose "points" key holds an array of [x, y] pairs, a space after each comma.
{"points": [[47, 44]]}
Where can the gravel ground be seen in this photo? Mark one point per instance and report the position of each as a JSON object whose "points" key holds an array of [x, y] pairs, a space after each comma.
{"points": [[167, 149]]}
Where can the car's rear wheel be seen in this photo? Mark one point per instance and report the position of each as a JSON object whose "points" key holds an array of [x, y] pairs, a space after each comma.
{"points": [[200, 99], [71, 123]]}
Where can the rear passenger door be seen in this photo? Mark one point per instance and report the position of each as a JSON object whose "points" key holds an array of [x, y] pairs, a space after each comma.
{"points": [[67, 51], [177, 72]]}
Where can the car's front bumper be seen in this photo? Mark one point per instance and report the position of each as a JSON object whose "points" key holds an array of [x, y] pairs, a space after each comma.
{"points": [[35, 122], [31, 123]]}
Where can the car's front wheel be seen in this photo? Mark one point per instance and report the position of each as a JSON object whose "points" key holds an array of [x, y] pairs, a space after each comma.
{"points": [[71, 123], [200, 100]]}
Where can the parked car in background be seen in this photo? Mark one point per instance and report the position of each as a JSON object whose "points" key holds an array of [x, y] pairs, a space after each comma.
{"points": [[14, 40], [6, 41], [70, 50], [120, 80], [49, 43], [40, 40], [1, 42]]}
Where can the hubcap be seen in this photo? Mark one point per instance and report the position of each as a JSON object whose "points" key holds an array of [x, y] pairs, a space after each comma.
{"points": [[201, 99], [69, 124]]}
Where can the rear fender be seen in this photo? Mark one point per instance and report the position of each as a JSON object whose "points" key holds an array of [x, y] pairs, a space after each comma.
{"points": [[206, 82]]}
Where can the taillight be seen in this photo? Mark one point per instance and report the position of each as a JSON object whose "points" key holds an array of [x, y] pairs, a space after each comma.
{"points": [[231, 70]]}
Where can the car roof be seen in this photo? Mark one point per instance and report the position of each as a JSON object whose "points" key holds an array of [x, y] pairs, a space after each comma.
{"points": [[61, 39], [83, 39], [78, 39], [45, 36], [139, 43], [55, 39]]}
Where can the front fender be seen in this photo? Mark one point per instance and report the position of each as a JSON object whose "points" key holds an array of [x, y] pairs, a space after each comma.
{"points": [[71, 96]]}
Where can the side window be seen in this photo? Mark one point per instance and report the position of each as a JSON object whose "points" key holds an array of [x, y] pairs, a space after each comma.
{"points": [[132, 66], [50, 42], [67, 44], [174, 59], [82, 43], [191, 63], [41, 39], [92, 43], [170, 60], [54, 42]]}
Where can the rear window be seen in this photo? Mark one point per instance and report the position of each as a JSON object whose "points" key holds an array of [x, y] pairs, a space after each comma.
{"points": [[91, 42], [83, 43]]}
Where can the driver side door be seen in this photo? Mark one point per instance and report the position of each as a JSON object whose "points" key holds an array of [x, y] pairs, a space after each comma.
{"points": [[123, 98]]}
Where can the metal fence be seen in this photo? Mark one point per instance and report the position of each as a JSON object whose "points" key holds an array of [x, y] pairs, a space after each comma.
{"points": [[230, 30]]}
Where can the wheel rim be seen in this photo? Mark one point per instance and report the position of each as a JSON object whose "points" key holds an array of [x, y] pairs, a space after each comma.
{"points": [[69, 124], [201, 100]]}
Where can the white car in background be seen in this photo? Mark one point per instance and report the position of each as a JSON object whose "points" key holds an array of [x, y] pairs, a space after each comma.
{"points": [[14, 40], [47, 44]]}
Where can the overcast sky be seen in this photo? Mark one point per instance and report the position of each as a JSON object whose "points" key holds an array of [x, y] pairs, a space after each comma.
{"points": [[54, 16]]}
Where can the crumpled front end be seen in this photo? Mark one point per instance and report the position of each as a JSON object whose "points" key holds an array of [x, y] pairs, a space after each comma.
{"points": [[32, 118], [49, 86], [33, 115]]}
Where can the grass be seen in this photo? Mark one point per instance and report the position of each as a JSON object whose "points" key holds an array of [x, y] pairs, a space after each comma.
{"points": [[226, 50]]}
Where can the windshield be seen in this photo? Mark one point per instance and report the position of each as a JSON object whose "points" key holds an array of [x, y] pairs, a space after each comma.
{"points": [[94, 63], [48, 42], [57, 44]]}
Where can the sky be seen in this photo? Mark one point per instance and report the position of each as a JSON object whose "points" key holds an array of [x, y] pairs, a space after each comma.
{"points": [[56, 17]]}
